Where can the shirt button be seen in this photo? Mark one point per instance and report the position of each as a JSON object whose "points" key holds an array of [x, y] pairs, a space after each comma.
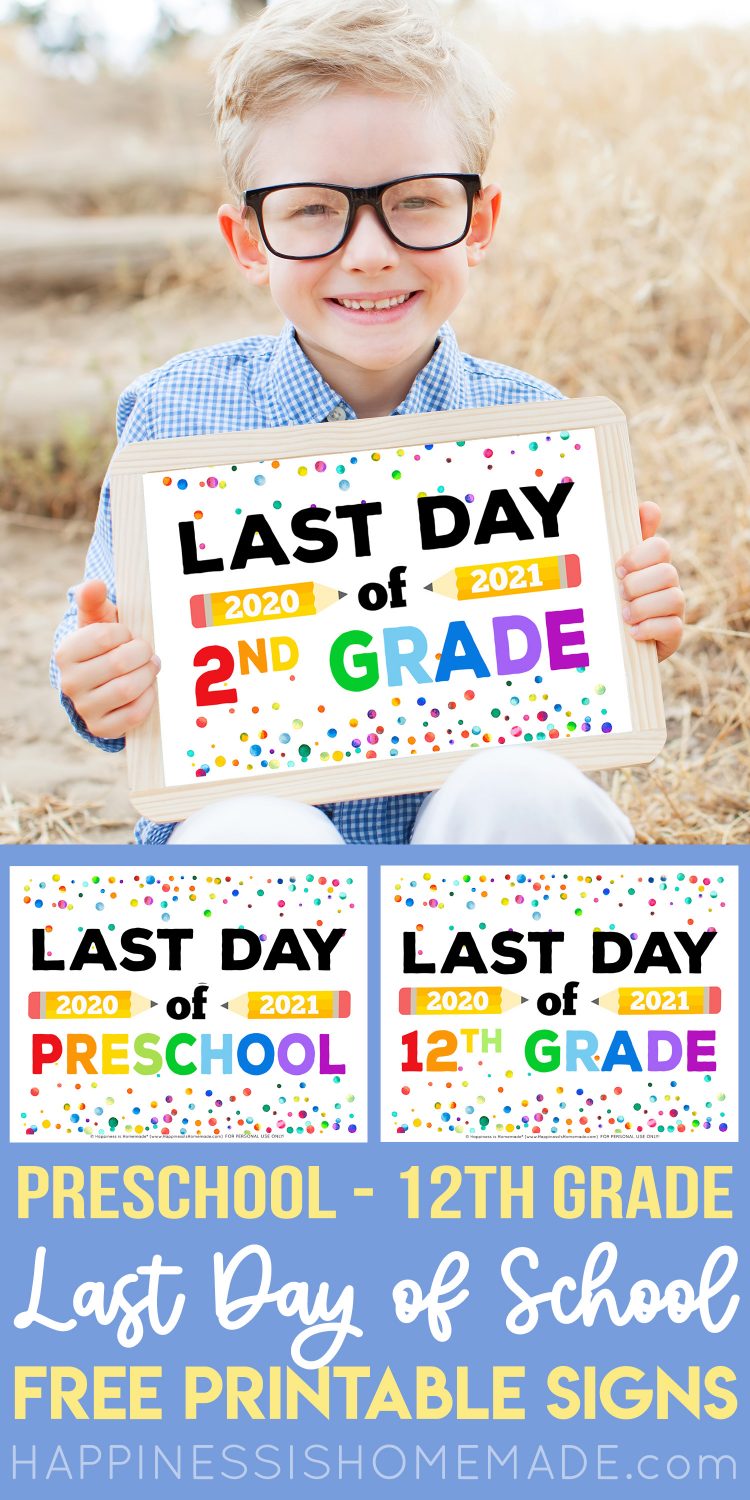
{"points": [[337, 415]]}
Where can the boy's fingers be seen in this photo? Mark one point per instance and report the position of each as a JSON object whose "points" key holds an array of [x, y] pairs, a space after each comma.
{"points": [[90, 642], [120, 690], [655, 606], [94, 608], [650, 516], [667, 633], [112, 665], [649, 580], [644, 555], [122, 720]]}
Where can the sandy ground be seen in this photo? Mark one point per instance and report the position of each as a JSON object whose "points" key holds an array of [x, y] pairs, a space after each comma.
{"points": [[64, 361]]}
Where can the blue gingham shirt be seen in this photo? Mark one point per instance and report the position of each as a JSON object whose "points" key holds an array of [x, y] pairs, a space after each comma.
{"points": [[268, 381]]}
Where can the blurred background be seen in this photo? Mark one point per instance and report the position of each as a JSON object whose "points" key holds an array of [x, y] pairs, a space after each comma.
{"points": [[620, 268]]}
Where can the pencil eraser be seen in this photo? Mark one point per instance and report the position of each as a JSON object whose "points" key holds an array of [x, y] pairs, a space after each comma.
{"points": [[198, 610], [35, 1005], [573, 570], [714, 1001], [345, 1004]]}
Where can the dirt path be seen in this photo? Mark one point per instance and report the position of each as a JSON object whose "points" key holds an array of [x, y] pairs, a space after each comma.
{"points": [[64, 361]]}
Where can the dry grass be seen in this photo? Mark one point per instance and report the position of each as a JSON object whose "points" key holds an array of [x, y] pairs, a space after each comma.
{"points": [[50, 820], [623, 271], [58, 479], [620, 268]]}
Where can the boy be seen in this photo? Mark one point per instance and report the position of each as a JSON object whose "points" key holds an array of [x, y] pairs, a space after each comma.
{"points": [[312, 101]]}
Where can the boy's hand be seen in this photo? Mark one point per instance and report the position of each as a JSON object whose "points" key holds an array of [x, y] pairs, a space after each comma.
{"points": [[108, 676], [653, 602]]}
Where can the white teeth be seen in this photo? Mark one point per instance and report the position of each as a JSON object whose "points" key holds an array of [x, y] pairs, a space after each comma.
{"points": [[367, 306]]}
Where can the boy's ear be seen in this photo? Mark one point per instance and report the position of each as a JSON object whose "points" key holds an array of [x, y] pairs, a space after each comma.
{"points": [[246, 247], [483, 223]]}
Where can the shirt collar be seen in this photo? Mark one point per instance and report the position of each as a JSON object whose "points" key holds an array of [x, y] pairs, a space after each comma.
{"points": [[438, 384], [300, 394]]}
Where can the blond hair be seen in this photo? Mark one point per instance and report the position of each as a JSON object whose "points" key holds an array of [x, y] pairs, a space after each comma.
{"points": [[301, 50]]}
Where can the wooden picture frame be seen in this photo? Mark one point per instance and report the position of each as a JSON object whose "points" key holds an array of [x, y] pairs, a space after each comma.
{"points": [[356, 776]]}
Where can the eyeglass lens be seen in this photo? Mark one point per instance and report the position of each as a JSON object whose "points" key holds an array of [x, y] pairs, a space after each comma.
{"points": [[423, 214]]}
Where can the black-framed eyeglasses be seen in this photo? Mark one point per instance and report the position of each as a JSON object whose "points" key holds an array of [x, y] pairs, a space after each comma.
{"points": [[307, 220]]}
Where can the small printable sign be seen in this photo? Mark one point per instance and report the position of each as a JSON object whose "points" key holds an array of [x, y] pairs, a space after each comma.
{"points": [[559, 1003], [181, 1004]]}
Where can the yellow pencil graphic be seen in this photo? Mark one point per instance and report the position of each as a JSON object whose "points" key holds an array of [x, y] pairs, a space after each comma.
{"points": [[311, 1005], [492, 1000], [492, 580], [71, 1005], [276, 602], [694, 1000]]}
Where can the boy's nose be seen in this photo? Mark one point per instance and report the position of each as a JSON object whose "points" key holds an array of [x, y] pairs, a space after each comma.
{"points": [[368, 244]]}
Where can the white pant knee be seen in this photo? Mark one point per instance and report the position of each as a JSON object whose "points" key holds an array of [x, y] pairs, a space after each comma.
{"points": [[521, 795], [256, 820]]}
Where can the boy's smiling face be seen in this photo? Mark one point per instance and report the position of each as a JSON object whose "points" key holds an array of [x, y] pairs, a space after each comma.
{"points": [[357, 139]]}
